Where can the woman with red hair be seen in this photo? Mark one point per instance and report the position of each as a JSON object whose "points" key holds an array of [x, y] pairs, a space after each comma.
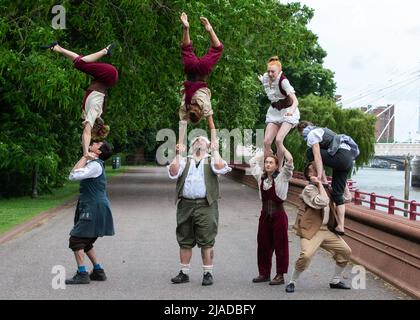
{"points": [[283, 114]]}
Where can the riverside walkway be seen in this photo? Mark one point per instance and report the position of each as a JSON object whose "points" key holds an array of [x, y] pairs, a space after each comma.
{"points": [[143, 255]]}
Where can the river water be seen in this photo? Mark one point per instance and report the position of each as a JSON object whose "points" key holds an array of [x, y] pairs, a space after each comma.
{"points": [[385, 182]]}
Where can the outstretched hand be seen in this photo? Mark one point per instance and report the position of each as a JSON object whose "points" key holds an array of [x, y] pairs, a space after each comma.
{"points": [[184, 20], [206, 24]]}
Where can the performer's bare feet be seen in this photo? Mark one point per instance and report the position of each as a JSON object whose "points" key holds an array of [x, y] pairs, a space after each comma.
{"points": [[206, 24], [184, 20]]}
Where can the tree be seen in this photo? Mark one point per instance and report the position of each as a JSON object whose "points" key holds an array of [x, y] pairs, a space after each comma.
{"points": [[41, 93], [324, 112]]}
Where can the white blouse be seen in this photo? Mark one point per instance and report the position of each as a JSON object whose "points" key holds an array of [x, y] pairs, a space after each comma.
{"points": [[315, 136], [281, 181], [194, 186], [92, 169], [274, 94], [273, 91]]}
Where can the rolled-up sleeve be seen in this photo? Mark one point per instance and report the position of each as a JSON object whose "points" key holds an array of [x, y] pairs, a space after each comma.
{"points": [[286, 172], [311, 196], [282, 181], [222, 171], [180, 171], [256, 164], [91, 170], [285, 84], [315, 136]]}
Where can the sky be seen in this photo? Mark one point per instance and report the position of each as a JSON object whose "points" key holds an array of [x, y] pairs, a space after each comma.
{"points": [[373, 47]]}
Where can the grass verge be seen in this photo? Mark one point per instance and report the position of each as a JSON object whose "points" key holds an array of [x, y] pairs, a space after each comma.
{"points": [[15, 211]]}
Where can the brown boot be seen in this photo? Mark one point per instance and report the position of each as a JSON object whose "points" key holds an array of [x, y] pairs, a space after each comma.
{"points": [[261, 278], [277, 280]]}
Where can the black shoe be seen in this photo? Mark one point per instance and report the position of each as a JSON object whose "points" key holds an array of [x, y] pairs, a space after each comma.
{"points": [[110, 48], [333, 230], [290, 288], [181, 278], [79, 278], [207, 279], [340, 285], [49, 46], [98, 275]]}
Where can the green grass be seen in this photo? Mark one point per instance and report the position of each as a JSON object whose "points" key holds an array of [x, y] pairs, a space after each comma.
{"points": [[18, 210]]}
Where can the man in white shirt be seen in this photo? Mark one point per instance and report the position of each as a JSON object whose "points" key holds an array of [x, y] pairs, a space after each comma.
{"points": [[197, 193], [93, 216]]}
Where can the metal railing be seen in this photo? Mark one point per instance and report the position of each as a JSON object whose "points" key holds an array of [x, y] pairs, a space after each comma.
{"points": [[410, 207], [392, 204]]}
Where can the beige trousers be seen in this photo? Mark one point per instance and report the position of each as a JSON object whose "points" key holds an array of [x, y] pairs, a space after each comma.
{"points": [[327, 240]]}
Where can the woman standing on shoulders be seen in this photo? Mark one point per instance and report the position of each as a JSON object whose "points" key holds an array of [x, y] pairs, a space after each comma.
{"points": [[283, 114]]}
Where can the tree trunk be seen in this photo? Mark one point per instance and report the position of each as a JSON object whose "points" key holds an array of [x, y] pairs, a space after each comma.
{"points": [[35, 182]]}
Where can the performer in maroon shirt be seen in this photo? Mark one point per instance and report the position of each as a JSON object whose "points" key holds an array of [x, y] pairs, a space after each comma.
{"points": [[196, 95], [105, 76]]}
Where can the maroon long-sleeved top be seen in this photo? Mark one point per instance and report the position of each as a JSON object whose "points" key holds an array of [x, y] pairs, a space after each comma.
{"points": [[198, 68]]}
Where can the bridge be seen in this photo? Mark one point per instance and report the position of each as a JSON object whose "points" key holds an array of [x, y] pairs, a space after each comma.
{"points": [[397, 149], [394, 153]]}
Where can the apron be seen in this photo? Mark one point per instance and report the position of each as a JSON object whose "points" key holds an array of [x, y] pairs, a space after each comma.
{"points": [[93, 216]]}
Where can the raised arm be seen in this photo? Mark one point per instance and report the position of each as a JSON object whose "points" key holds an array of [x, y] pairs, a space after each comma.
{"points": [[84, 170], [286, 173], [314, 195], [256, 163], [180, 148], [213, 132], [215, 42], [175, 165], [318, 160], [186, 40], [218, 165], [86, 137]]}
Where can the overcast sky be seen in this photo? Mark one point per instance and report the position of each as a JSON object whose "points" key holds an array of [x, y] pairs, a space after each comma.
{"points": [[373, 47]]}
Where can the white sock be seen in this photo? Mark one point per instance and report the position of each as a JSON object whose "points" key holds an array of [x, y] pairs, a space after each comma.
{"points": [[185, 268], [337, 274], [295, 276], [208, 269]]}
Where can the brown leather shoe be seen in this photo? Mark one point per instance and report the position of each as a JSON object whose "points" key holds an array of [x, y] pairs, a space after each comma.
{"points": [[277, 280], [261, 278]]}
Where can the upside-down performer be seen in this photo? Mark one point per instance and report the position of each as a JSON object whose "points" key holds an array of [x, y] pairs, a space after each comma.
{"points": [[195, 102], [105, 76]]}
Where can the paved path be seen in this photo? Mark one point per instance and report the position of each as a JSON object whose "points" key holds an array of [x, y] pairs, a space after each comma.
{"points": [[143, 255]]}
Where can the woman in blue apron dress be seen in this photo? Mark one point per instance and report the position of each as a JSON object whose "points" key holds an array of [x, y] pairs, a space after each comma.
{"points": [[93, 216]]}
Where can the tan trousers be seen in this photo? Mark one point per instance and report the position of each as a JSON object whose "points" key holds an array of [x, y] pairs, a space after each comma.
{"points": [[327, 240]]}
